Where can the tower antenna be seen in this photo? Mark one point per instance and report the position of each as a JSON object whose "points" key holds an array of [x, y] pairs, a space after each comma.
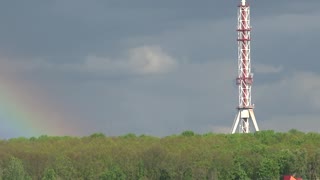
{"points": [[245, 77]]}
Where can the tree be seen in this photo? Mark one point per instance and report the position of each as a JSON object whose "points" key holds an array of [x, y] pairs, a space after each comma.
{"points": [[286, 161], [49, 174], [269, 169], [300, 163], [141, 171], [15, 170], [97, 135], [260, 155], [187, 174], [314, 166], [153, 160], [64, 168], [114, 173], [164, 175], [237, 170], [187, 133]]}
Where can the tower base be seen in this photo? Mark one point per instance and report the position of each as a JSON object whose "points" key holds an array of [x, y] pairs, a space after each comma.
{"points": [[242, 119]]}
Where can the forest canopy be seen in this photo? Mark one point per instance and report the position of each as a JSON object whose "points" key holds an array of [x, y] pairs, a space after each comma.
{"points": [[260, 155]]}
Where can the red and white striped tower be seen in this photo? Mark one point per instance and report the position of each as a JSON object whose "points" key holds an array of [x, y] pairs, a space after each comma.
{"points": [[245, 77]]}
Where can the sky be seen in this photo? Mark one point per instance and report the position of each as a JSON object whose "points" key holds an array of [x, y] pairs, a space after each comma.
{"points": [[77, 67]]}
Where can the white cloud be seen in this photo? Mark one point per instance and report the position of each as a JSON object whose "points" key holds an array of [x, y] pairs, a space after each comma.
{"points": [[144, 60], [150, 60], [141, 60]]}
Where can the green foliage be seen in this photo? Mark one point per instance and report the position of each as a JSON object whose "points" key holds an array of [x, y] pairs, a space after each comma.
{"points": [[187, 174], [286, 160], [19, 139], [43, 137], [261, 155], [97, 135], [238, 171], [164, 175], [187, 133], [269, 169], [113, 173], [33, 139], [130, 135], [314, 165], [15, 170], [141, 171], [49, 174], [300, 166], [295, 131], [63, 167]]}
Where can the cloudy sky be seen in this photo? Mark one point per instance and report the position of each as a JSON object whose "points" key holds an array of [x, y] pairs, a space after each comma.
{"points": [[158, 67]]}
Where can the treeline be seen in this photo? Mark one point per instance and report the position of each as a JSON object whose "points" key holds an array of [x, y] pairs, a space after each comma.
{"points": [[261, 155]]}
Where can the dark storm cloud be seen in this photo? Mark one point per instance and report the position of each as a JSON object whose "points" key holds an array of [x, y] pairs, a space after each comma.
{"points": [[181, 75], [73, 28]]}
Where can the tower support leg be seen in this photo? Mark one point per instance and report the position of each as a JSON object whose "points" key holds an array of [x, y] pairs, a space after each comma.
{"points": [[242, 121], [235, 123], [253, 117]]}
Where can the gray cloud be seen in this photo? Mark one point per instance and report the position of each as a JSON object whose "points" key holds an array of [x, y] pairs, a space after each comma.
{"points": [[166, 66], [290, 102], [267, 69], [141, 60]]}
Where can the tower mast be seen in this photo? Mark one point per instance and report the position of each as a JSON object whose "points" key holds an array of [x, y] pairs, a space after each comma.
{"points": [[245, 77]]}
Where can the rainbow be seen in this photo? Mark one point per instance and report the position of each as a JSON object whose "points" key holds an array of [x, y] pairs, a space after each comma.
{"points": [[26, 111]]}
